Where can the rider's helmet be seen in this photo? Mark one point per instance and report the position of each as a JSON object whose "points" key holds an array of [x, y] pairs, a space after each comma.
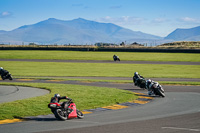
{"points": [[1, 68], [155, 85], [148, 82], [136, 73], [57, 95]]}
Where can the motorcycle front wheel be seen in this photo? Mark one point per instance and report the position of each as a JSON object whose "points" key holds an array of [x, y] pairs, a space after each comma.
{"points": [[79, 114], [160, 92], [10, 77], [60, 114]]}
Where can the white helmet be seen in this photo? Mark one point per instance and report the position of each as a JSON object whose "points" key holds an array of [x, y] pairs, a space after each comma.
{"points": [[148, 82], [1, 68], [57, 95], [136, 73], [155, 85]]}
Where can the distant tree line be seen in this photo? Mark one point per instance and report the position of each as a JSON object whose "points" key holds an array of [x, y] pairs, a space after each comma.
{"points": [[100, 44]]}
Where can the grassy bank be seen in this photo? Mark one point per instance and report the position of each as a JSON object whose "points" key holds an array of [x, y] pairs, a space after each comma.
{"points": [[100, 69], [80, 55], [85, 97]]}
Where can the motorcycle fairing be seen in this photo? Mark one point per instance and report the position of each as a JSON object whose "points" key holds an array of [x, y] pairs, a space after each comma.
{"points": [[73, 114]]}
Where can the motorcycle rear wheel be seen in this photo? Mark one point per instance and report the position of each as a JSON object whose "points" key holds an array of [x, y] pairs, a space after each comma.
{"points": [[59, 114], [3, 77]]}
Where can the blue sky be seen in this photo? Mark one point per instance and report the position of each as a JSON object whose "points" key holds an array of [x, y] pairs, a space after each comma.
{"points": [[157, 17]]}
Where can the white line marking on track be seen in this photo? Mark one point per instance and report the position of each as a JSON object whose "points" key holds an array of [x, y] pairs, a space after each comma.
{"points": [[186, 129]]}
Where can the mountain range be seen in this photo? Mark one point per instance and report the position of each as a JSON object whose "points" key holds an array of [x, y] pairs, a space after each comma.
{"points": [[192, 34], [81, 31]]}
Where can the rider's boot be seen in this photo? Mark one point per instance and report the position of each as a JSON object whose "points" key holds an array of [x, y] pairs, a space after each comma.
{"points": [[150, 93]]}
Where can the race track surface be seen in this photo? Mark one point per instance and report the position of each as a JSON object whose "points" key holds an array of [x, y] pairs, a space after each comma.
{"points": [[178, 112], [13, 93]]}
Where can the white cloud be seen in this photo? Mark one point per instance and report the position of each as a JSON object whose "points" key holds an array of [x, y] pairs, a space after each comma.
{"points": [[124, 20], [5, 14], [189, 20]]}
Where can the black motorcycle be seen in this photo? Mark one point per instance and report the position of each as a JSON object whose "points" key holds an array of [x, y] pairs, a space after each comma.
{"points": [[158, 90], [139, 82], [6, 76], [142, 83], [116, 58]]}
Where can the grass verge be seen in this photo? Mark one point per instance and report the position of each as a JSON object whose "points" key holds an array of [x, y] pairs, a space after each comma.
{"points": [[93, 55], [100, 69], [85, 97]]}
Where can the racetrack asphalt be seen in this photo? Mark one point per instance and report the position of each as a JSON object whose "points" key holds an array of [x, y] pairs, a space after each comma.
{"points": [[178, 112], [13, 93]]}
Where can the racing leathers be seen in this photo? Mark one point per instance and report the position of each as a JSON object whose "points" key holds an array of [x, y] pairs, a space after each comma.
{"points": [[65, 105], [3, 72], [150, 84], [137, 79]]}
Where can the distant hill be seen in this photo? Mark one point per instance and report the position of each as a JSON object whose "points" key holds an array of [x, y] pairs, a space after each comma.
{"points": [[182, 44], [192, 34], [77, 31]]}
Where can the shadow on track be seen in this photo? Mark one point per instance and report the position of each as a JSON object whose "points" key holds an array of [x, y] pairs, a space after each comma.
{"points": [[38, 118]]}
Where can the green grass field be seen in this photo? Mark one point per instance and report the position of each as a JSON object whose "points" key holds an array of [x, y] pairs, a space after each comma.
{"points": [[81, 55], [20, 68]]}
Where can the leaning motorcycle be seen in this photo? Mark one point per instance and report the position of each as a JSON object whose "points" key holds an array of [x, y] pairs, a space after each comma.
{"points": [[7, 76], [116, 58], [140, 83], [158, 90], [60, 113]]}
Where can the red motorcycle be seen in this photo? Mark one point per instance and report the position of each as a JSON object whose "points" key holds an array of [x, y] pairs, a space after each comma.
{"points": [[62, 114]]}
